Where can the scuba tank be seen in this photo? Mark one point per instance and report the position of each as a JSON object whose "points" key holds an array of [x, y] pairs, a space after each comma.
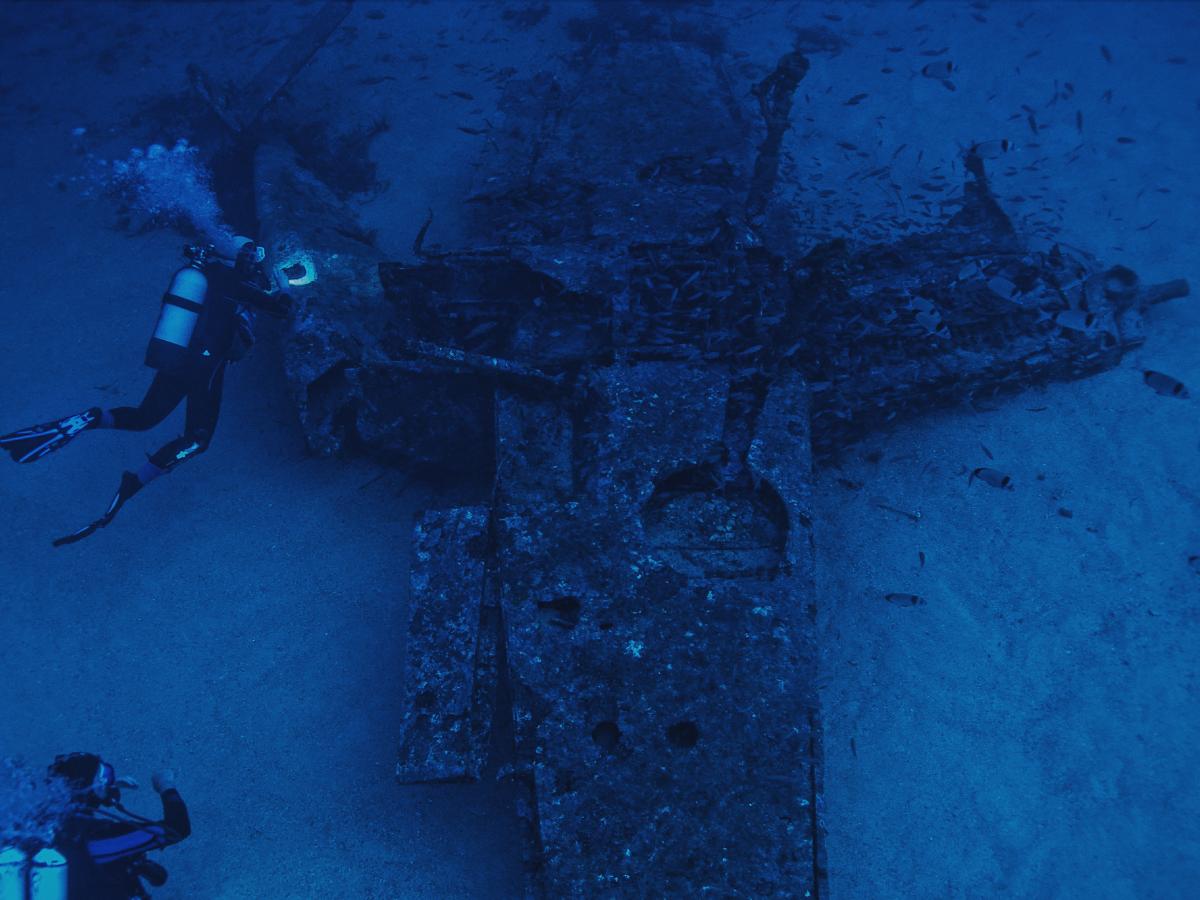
{"points": [[182, 306], [40, 877], [48, 875], [12, 874]]}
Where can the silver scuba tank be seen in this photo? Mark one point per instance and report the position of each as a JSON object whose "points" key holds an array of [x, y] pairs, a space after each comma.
{"points": [[48, 875], [12, 873], [42, 876], [182, 307]]}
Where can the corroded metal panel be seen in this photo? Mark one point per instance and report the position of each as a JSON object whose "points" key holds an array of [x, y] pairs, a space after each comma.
{"points": [[664, 692]]}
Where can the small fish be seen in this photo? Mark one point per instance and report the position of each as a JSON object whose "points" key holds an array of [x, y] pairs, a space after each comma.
{"points": [[850, 485], [1104, 51], [1147, 226], [856, 99], [940, 70], [1165, 384], [379, 79], [904, 599], [1065, 513], [1107, 96], [463, 94], [991, 149], [921, 557], [913, 516], [846, 145], [1177, 60], [887, 71], [990, 476], [1033, 125], [1079, 122], [465, 130], [1126, 140], [986, 452]]}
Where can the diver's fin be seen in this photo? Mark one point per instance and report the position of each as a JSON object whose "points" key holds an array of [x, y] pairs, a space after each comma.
{"points": [[130, 485], [29, 444]]}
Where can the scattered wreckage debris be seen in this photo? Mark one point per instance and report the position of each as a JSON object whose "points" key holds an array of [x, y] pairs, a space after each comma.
{"points": [[1165, 384]]}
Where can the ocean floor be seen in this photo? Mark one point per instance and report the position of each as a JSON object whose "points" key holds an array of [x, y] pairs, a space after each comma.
{"points": [[1029, 730]]}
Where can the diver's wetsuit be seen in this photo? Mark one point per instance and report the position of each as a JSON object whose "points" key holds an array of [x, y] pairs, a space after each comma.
{"points": [[101, 847], [226, 333]]}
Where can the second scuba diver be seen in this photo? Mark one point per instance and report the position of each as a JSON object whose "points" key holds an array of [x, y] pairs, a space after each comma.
{"points": [[206, 321], [104, 843]]}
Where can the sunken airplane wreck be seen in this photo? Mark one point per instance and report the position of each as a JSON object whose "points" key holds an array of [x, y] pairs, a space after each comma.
{"points": [[642, 367]]}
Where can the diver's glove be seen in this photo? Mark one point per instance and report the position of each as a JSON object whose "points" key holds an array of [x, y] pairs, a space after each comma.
{"points": [[275, 303], [243, 336], [130, 485]]}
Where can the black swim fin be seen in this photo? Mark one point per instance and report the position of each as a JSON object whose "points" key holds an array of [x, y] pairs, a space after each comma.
{"points": [[130, 485], [29, 444]]}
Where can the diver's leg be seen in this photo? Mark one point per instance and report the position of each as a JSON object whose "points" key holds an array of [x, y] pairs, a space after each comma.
{"points": [[203, 407], [29, 444], [161, 398], [204, 389], [164, 395]]}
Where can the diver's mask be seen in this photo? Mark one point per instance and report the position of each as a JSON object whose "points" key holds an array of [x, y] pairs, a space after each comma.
{"points": [[92, 780]]}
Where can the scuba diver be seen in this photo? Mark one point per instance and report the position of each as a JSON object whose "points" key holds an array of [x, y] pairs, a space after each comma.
{"points": [[206, 321], [104, 843]]}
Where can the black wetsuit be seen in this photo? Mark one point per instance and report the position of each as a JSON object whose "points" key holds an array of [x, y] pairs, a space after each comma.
{"points": [[100, 850], [224, 333]]}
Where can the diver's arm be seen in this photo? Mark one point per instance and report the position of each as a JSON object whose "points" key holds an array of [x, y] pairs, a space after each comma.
{"points": [[175, 814], [273, 303], [144, 836], [243, 333]]}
